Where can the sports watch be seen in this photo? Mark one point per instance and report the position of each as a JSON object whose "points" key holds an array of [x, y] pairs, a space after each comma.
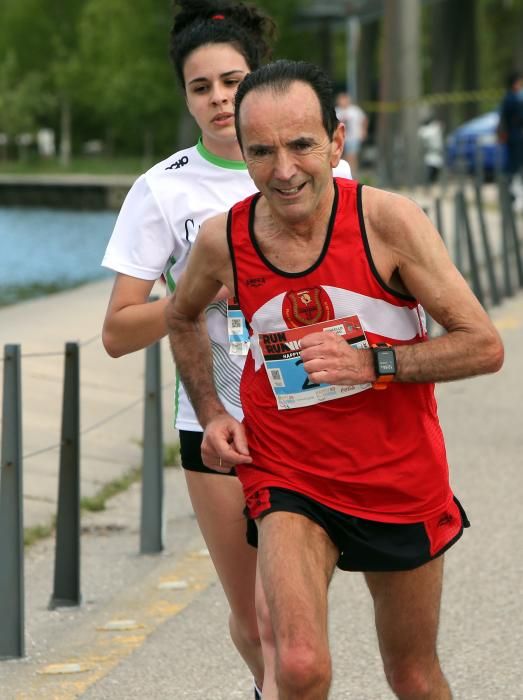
{"points": [[384, 365]]}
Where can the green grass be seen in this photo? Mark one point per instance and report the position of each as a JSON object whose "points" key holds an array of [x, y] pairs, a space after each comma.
{"points": [[171, 458], [11, 294], [93, 504], [132, 165], [38, 532], [97, 502]]}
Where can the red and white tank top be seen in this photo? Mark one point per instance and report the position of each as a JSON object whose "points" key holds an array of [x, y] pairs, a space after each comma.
{"points": [[375, 454]]}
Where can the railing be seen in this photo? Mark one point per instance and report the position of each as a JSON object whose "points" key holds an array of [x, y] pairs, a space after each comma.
{"points": [[67, 585], [483, 238]]}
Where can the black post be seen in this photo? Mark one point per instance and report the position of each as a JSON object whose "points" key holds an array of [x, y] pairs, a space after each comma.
{"points": [[439, 217], [504, 201], [12, 644], [474, 269], [151, 531], [489, 261], [514, 242], [66, 591], [458, 223]]}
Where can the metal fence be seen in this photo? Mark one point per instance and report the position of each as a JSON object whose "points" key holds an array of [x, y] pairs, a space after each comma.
{"points": [[66, 589]]}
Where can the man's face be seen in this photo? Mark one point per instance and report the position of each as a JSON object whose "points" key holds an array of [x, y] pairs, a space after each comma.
{"points": [[287, 150]]}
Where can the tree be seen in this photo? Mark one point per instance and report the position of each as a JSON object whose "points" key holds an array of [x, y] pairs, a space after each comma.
{"points": [[22, 98], [128, 81], [43, 38]]}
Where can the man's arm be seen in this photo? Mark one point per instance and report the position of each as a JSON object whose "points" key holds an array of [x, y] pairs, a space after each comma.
{"points": [[187, 328], [411, 258], [208, 268]]}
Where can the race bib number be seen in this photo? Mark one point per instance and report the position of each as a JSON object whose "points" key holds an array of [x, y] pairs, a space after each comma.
{"points": [[289, 381], [237, 329]]}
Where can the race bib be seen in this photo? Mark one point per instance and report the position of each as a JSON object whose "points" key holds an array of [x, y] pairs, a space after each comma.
{"points": [[237, 329], [289, 381]]}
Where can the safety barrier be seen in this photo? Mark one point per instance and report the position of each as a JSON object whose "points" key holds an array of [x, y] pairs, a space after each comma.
{"points": [[67, 584], [488, 252]]}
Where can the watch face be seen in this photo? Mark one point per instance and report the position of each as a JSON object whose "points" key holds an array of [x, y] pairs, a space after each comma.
{"points": [[386, 361]]}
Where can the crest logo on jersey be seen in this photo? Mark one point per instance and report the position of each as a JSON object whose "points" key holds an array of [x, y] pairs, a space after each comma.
{"points": [[307, 306]]}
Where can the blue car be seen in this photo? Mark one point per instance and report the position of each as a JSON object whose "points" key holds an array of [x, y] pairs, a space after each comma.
{"points": [[475, 144]]}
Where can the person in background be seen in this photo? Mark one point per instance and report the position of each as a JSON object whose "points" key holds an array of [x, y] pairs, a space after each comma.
{"points": [[356, 125], [430, 135], [510, 132], [340, 452], [214, 45]]}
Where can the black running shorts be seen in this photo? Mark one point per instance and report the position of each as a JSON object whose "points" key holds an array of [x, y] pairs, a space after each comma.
{"points": [[368, 545], [191, 453]]}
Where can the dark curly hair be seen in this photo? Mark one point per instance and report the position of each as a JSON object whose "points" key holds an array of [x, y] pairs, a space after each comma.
{"points": [[201, 22]]}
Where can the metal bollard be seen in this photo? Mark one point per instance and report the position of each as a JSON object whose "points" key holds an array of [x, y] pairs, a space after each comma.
{"points": [[458, 223], [151, 530], [66, 590], [514, 239], [474, 268], [489, 261], [504, 201], [12, 643], [439, 217]]}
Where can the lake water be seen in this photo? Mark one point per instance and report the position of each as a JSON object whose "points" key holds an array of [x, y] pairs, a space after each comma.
{"points": [[45, 250]]}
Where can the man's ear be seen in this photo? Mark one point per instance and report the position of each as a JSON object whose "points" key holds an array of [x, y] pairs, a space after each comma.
{"points": [[337, 145]]}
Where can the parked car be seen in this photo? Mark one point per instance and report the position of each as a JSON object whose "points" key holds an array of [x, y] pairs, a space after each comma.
{"points": [[475, 144]]}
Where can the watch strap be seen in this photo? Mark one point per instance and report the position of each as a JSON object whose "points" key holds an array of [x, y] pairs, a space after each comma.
{"points": [[382, 380]]}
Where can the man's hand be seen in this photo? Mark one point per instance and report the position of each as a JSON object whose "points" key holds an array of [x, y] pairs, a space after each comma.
{"points": [[224, 444], [328, 358]]}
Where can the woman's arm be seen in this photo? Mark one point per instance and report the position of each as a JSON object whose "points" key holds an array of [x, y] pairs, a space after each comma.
{"points": [[132, 322]]}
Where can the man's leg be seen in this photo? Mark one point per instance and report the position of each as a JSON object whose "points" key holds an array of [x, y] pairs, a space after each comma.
{"points": [[406, 607], [296, 559], [270, 690]]}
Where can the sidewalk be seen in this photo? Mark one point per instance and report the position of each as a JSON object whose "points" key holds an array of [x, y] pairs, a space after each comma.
{"points": [[42, 327], [155, 626]]}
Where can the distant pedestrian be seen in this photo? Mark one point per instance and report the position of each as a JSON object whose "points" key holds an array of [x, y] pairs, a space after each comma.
{"points": [[510, 132], [430, 134], [356, 125]]}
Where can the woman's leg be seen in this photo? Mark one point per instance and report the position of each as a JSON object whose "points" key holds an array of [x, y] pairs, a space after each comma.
{"points": [[218, 503]]}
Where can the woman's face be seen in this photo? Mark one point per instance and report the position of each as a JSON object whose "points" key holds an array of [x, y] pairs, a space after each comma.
{"points": [[212, 74]]}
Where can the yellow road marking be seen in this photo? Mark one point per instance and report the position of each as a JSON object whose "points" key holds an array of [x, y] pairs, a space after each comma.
{"points": [[104, 650]]}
